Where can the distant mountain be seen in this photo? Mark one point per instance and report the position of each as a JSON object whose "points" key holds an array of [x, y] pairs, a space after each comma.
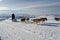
{"points": [[6, 16]]}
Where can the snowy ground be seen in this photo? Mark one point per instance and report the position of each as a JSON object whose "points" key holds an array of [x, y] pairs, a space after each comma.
{"points": [[29, 31]]}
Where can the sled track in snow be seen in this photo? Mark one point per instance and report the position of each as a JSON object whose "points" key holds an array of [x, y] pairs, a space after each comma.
{"points": [[25, 30]]}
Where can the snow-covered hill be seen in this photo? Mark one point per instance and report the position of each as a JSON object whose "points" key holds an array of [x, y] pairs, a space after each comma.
{"points": [[29, 31]]}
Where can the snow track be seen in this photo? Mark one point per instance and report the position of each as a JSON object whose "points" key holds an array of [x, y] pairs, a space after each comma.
{"points": [[10, 32], [17, 27], [27, 31]]}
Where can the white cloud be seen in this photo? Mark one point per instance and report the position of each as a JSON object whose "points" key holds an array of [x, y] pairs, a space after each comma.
{"points": [[1, 0], [44, 5], [38, 5], [31, 6], [4, 8]]}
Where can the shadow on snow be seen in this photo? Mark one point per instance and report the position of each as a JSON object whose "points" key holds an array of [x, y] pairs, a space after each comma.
{"points": [[51, 24]]}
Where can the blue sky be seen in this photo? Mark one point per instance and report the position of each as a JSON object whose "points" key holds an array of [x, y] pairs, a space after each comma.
{"points": [[34, 7]]}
